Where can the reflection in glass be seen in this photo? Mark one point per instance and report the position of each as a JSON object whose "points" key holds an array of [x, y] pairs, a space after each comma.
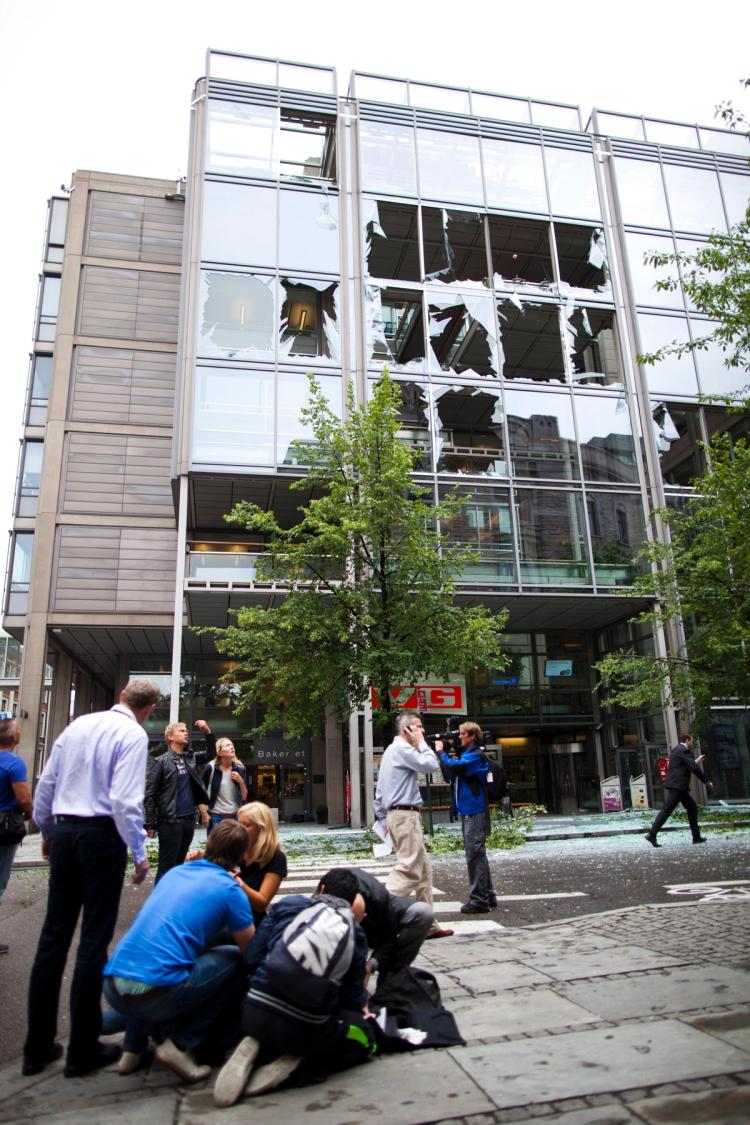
{"points": [[388, 159], [694, 198], [50, 296], [677, 432], [239, 224], [234, 417], [31, 474], [673, 376], [530, 344], [243, 139], [392, 240], [309, 319], [20, 574], [41, 379], [541, 434], [454, 246], [309, 230], [736, 191], [414, 419], [463, 337], [484, 525], [607, 447], [553, 539], [393, 322], [714, 376], [592, 347], [617, 531], [237, 315], [644, 277], [641, 193], [293, 396], [520, 252], [469, 431], [449, 167], [572, 183], [582, 257], [514, 175]]}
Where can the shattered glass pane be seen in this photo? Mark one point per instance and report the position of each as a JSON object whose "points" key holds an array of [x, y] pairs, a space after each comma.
{"points": [[237, 315], [552, 538], [449, 167], [484, 524], [582, 257], [454, 247], [392, 240], [541, 434], [607, 446], [469, 431], [592, 346], [678, 432], [463, 337], [243, 140], [530, 343], [617, 529], [394, 327], [414, 419], [520, 253], [572, 183], [388, 158], [309, 230], [307, 146], [309, 319]]}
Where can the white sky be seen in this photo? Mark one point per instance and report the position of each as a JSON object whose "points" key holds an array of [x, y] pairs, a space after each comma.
{"points": [[85, 84]]}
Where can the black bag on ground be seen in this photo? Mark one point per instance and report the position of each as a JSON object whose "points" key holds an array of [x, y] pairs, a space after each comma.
{"points": [[411, 998], [12, 827], [405, 989]]}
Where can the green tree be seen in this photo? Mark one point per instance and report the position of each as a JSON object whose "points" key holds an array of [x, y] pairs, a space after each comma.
{"points": [[371, 597]]}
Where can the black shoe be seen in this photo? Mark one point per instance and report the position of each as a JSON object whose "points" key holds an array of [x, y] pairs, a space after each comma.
{"points": [[701, 840], [4, 948], [37, 1065], [474, 908], [104, 1055], [493, 902], [652, 840]]}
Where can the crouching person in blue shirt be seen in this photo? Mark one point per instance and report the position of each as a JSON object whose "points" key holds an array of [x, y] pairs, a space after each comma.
{"points": [[163, 978], [467, 775], [305, 1013]]}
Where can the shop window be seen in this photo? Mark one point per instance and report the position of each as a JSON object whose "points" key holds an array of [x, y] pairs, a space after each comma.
{"points": [[309, 320], [469, 431], [592, 347], [530, 341], [463, 336], [395, 333], [582, 257], [520, 252], [454, 246], [392, 240]]}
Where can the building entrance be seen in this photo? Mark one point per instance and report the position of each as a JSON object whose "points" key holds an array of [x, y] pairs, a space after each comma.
{"points": [[556, 770]]}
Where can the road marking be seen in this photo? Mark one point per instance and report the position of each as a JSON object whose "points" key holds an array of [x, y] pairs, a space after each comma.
{"points": [[719, 890]]}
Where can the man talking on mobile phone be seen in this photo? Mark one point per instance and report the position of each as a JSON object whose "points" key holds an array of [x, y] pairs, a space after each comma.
{"points": [[682, 763], [399, 802]]}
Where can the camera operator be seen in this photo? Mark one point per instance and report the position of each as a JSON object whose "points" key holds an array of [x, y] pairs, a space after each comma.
{"points": [[467, 775]]}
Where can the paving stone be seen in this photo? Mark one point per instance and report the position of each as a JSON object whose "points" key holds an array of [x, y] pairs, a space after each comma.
{"points": [[594, 1115], [698, 986], [399, 1090], [156, 1110], [499, 976], [512, 1013], [597, 1061], [733, 1027], [716, 1107], [599, 962]]}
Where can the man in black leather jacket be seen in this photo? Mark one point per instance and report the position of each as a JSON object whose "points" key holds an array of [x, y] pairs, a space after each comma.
{"points": [[394, 927], [173, 792], [682, 764]]}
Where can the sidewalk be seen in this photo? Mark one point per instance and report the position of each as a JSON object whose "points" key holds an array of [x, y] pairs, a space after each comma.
{"points": [[640, 1015]]}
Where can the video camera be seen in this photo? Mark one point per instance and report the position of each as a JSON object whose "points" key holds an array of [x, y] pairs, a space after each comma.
{"points": [[451, 742]]}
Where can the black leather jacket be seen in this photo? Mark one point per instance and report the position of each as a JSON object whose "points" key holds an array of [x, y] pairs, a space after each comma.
{"points": [[379, 924], [160, 800]]}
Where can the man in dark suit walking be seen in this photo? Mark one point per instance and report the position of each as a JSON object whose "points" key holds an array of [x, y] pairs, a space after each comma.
{"points": [[677, 787]]}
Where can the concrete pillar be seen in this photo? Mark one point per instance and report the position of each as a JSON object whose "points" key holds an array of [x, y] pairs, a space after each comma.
{"points": [[355, 781], [334, 770]]}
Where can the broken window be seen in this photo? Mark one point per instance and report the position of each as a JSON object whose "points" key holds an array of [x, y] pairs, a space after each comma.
{"points": [[552, 538], [469, 431], [309, 319], [392, 240], [454, 247], [514, 175], [239, 224], [463, 336], [309, 230], [307, 146], [388, 158], [530, 342], [243, 140], [484, 525], [237, 315], [414, 423], [674, 375], [541, 434], [572, 183], [449, 167], [592, 346], [520, 252], [582, 257], [677, 431], [607, 446], [395, 335], [617, 532]]}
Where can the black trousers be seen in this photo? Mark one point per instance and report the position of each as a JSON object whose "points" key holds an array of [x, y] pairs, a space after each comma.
{"points": [[87, 868], [344, 1040], [673, 798], [175, 837]]}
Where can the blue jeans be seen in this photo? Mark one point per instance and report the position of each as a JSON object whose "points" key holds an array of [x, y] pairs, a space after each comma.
{"points": [[216, 818], [7, 851], [183, 1012]]}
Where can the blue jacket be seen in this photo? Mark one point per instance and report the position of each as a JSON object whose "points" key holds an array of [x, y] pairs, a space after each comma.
{"points": [[468, 778]]}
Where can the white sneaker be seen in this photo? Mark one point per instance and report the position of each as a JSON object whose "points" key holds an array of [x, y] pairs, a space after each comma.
{"points": [[271, 1075], [181, 1062], [129, 1062], [232, 1078]]}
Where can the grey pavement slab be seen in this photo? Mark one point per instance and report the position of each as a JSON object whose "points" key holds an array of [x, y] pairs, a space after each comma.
{"points": [[597, 1061], [595, 1115], [511, 1013], [401, 1090], [732, 1027], [157, 1110], [598, 962], [498, 976], [673, 990], [712, 1107]]}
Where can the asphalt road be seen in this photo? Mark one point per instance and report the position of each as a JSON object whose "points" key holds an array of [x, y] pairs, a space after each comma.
{"points": [[604, 874]]}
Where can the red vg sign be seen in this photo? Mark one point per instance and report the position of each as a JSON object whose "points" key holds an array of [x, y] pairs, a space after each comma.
{"points": [[429, 699]]}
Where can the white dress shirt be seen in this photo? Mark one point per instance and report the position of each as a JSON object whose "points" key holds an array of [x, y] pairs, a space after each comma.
{"points": [[398, 779], [97, 768]]}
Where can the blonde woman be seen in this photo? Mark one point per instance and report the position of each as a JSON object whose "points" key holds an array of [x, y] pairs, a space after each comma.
{"points": [[264, 865], [223, 778]]}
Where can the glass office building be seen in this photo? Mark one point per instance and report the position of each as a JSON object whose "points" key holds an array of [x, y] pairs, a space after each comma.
{"points": [[490, 251]]}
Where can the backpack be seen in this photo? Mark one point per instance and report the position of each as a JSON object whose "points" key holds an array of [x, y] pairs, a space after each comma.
{"points": [[313, 953], [496, 787]]}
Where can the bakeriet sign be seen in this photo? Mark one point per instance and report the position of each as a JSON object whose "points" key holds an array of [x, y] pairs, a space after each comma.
{"points": [[430, 696]]}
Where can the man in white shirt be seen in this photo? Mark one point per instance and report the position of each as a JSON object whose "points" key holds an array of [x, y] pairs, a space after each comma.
{"points": [[399, 802], [89, 807]]}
